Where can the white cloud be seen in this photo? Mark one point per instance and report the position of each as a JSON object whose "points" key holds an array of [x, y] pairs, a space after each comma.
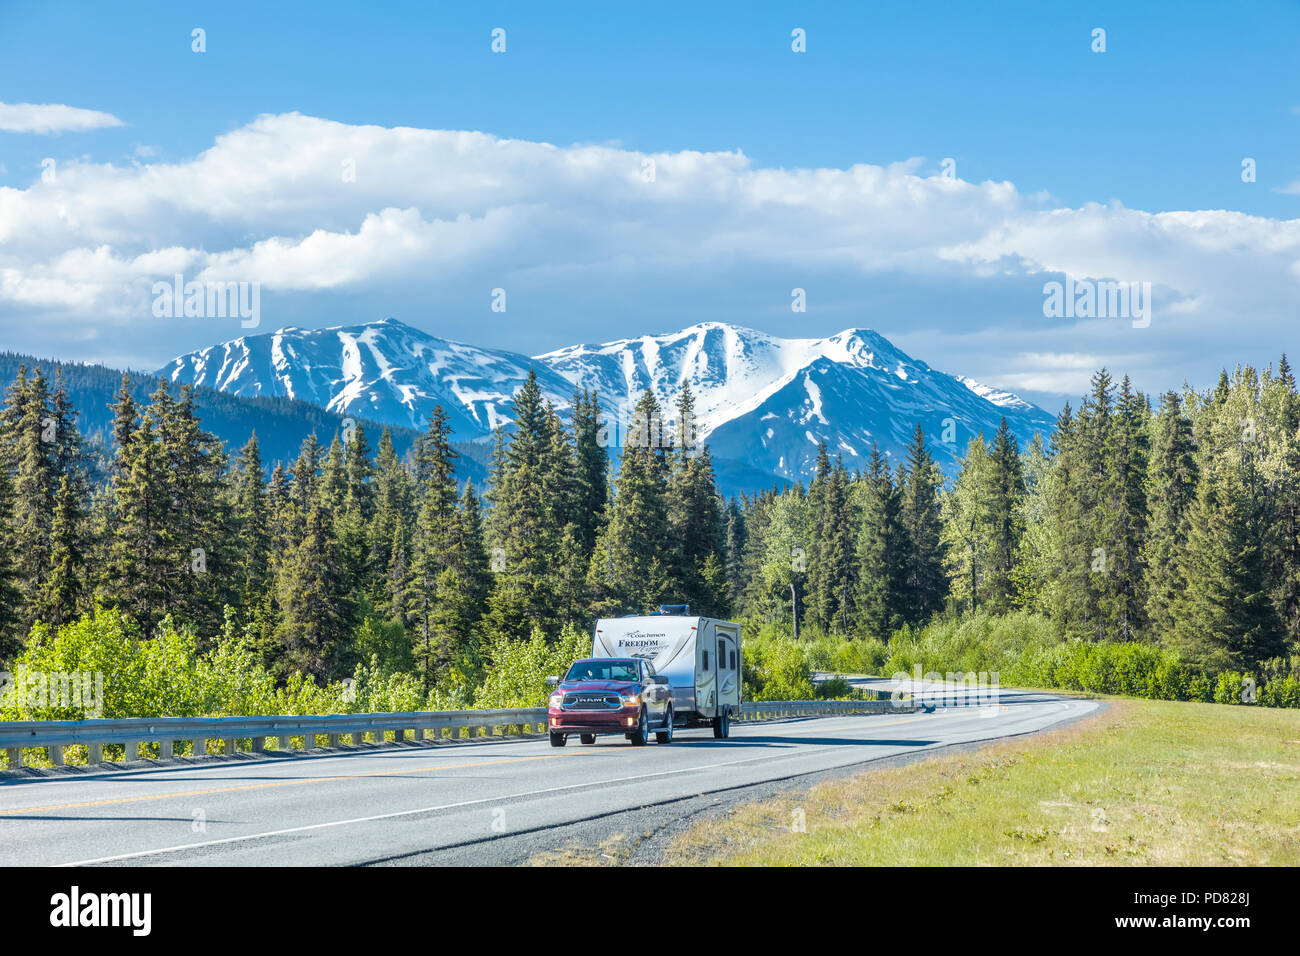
{"points": [[276, 202], [52, 118]]}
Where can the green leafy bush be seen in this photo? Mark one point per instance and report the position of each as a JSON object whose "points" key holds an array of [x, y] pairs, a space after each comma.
{"points": [[517, 670], [836, 688], [164, 675]]}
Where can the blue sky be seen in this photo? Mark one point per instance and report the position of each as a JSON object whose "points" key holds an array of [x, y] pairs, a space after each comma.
{"points": [[1159, 123]]}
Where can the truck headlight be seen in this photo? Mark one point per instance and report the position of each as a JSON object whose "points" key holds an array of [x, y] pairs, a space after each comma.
{"points": [[631, 700], [557, 700]]}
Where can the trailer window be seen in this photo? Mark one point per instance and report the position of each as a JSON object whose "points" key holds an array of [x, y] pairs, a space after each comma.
{"points": [[706, 660], [733, 660]]}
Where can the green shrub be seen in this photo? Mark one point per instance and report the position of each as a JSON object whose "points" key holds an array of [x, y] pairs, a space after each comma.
{"points": [[1227, 688], [517, 670], [1200, 688], [836, 688], [776, 670], [164, 675], [1281, 692]]}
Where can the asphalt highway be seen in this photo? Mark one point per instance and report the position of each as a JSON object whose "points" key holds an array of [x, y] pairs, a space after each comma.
{"points": [[450, 802]]}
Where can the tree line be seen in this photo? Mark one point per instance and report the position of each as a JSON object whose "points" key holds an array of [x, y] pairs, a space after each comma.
{"points": [[350, 550], [1177, 525]]}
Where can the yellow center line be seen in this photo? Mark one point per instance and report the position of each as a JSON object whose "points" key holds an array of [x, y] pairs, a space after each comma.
{"points": [[351, 776], [282, 783]]}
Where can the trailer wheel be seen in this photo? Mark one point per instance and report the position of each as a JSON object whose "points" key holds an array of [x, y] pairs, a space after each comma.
{"points": [[587, 738], [722, 725], [642, 732], [665, 736], [558, 740]]}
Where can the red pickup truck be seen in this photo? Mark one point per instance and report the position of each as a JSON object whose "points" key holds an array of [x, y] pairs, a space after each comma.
{"points": [[603, 695]]}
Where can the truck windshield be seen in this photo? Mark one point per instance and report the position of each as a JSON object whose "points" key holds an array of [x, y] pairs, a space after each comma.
{"points": [[603, 670]]}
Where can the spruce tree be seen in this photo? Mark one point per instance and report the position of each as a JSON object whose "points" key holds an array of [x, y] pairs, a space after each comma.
{"points": [[199, 528], [253, 530], [11, 607], [141, 556], [432, 547], [1224, 616], [352, 521], [31, 444], [389, 531], [532, 504], [1123, 516], [1004, 492], [965, 539], [633, 566], [591, 471], [1171, 489], [881, 544], [734, 567], [924, 584], [695, 515], [315, 606]]}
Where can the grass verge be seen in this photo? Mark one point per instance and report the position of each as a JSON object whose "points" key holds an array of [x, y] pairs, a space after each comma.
{"points": [[1142, 783]]}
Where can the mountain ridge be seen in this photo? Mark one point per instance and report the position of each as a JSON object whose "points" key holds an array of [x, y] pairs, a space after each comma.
{"points": [[761, 400]]}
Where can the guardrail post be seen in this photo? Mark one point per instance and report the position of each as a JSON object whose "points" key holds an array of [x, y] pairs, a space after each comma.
{"points": [[336, 739], [200, 746], [165, 750], [56, 754], [230, 747], [358, 738], [259, 745], [15, 755], [94, 753], [132, 750]]}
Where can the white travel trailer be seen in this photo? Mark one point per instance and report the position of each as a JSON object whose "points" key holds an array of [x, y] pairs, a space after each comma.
{"points": [[700, 656]]}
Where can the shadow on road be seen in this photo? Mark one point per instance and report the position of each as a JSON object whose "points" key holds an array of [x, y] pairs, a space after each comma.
{"points": [[748, 741]]}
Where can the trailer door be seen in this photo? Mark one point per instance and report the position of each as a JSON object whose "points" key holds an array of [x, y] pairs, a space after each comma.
{"points": [[728, 668]]}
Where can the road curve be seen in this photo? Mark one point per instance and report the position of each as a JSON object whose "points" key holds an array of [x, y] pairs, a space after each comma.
{"points": [[450, 802]]}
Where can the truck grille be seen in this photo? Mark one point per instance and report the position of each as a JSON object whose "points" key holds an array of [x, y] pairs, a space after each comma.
{"points": [[591, 701]]}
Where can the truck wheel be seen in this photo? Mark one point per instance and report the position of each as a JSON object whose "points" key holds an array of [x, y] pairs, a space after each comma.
{"points": [[587, 738], [722, 726], [638, 736], [665, 736], [558, 740]]}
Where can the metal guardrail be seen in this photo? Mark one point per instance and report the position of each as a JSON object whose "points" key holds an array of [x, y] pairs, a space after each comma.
{"points": [[132, 732], [15, 736]]}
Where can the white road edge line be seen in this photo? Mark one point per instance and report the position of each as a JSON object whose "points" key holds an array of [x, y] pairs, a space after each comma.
{"points": [[409, 813]]}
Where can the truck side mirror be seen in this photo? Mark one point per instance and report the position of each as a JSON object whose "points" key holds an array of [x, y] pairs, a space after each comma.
{"points": [[552, 681]]}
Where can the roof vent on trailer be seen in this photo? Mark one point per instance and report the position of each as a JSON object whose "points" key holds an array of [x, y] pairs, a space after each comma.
{"points": [[682, 610]]}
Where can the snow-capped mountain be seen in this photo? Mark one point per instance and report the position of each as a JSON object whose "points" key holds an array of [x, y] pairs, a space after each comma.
{"points": [[770, 401], [764, 403], [386, 371]]}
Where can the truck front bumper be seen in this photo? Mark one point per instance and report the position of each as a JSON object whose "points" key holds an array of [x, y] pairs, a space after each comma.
{"points": [[621, 721]]}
